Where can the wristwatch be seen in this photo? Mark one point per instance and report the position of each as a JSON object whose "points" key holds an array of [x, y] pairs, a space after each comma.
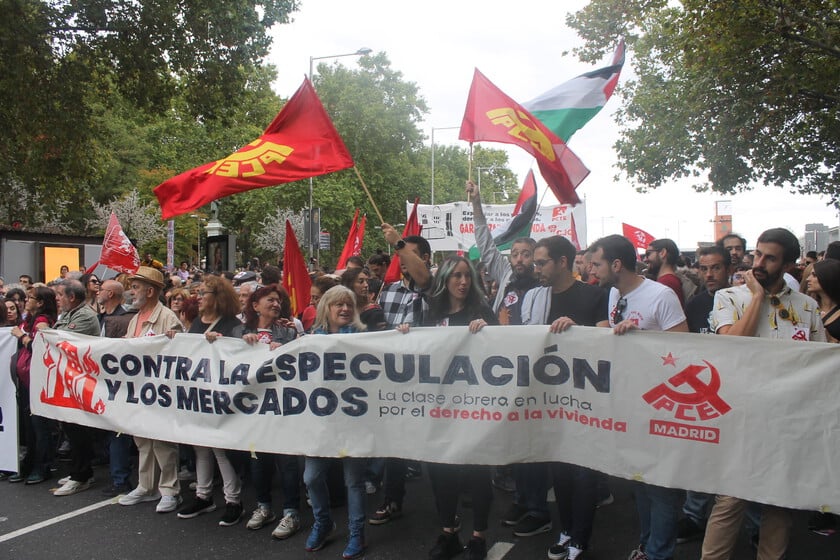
{"points": [[399, 245]]}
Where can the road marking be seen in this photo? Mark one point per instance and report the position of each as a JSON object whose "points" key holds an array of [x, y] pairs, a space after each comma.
{"points": [[57, 519], [499, 550]]}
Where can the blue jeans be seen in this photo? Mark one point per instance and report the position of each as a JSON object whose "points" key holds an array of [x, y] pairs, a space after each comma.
{"points": [[262, 472], [315, 478], [119, 452], [697, 506], [659, 509], [532, 484]]}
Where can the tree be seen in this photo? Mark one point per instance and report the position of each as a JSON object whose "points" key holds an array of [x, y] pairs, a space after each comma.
{"points": [[272, 235], [728, 93]]}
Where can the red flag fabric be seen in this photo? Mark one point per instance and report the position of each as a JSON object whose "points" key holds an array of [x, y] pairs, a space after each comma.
{"points": [[360, 236], [412, 227], [492, 116], [117, 251], [638, 237], [301, 142], [349, 244], [574, 237], [295, 275]]}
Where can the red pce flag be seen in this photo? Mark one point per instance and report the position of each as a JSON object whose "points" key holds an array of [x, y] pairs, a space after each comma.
{"points": [[301, 142], [117, 251], [295, 275], [412, 227], [638, 237], [347, 252], [492, 116]]}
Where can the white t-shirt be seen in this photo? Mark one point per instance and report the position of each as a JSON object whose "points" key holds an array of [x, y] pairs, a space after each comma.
{"points": [[652, 306]]}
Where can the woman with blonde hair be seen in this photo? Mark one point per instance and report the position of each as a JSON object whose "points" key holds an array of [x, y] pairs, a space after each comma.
{"points": [[337, 313]]}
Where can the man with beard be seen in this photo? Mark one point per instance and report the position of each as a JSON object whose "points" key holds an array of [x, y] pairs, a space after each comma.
{"points": [[402, 302], [157, 476], [763, 307], [513, 276], [661, 259], [561, 302], [734, 245], [636, 302]]}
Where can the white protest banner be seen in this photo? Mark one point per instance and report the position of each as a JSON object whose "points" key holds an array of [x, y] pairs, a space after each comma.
{"points": [[8, 404], [450, 227], [740, 416]]}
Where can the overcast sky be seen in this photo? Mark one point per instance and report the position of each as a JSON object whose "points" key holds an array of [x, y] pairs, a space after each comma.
{"points": [[520, 47]]}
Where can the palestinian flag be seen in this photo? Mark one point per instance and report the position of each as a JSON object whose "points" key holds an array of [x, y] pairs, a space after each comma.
{"points": [[520, 224], [567, 107]]}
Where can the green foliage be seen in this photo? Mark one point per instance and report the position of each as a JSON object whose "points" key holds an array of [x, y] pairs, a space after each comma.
{"points": [[730, 93]]}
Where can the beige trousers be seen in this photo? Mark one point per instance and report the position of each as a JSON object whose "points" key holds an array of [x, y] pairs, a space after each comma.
{"points": [[158, 459], [724, 525]]}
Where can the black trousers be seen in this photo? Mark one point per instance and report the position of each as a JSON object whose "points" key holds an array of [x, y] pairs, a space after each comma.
{"points": [[447, 483]]}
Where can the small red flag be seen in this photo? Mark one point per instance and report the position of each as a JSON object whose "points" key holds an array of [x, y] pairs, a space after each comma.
{"points": [[574, 237], [492, 116], [638, 237], [117, 251], [301, 142], [295, 275], [347, 252], [360, 237], [412, 227]]}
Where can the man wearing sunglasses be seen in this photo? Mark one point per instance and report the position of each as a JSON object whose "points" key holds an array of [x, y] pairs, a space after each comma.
{"points": [[635, 302], [766, 307]]}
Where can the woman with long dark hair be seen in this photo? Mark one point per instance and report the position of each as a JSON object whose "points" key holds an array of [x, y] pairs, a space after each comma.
{"points": [[41, 312], [91, 283], [268, 321], [456, 299], [824, 285]]}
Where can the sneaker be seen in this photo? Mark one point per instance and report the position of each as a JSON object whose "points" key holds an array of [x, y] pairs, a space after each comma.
{"points": [[138, 496], [605, 501], [447, 546], [514, 514], [318, 536], [196, 508], [35, 478], [72, 487], [288, 526], [186, 474], [64, 480], [560, 549], [232, 515], [575, 553], [261, 517], [532, 525], [370, 487], [688, 530], [388, 511], [15, 478], [355, 547], [638, 554], [114, 490], [168, 504], [476, 549], [503, 481]]}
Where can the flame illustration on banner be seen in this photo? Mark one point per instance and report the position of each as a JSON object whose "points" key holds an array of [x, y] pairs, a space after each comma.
{"points": [[71, 381]]}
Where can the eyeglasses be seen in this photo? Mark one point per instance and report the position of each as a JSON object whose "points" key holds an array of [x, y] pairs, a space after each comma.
{"points": [[780, 309], [202, 293], [618, 310], [541, 263], [93, 281]]}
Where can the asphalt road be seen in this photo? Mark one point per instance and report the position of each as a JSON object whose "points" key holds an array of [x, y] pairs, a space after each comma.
{"points": [[34, 524]]}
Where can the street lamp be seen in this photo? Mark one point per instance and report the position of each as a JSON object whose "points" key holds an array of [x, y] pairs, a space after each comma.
{"points": [[198, 237], [433, 156], [361, 52], [478, 170]]}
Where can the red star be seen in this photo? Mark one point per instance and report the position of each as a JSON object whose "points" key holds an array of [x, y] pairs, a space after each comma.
{"points": [[669, 360]]}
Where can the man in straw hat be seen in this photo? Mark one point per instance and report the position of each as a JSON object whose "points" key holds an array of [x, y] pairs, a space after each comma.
{"points": [[153, 318]]}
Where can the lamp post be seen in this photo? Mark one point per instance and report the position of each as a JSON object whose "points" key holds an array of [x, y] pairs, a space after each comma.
{"points": [[198, 237], [433, 156], [361, 52], [478, 170]]}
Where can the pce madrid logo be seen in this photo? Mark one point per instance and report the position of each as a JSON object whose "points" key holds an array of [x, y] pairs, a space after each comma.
{"points": [[691, 398]]}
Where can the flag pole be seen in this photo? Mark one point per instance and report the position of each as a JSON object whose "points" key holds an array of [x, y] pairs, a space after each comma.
{"points": [[362, 181], [469, 171]]}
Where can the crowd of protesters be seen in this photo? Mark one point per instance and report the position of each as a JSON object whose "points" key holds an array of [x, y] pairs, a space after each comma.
{"points": [[726, 290]]}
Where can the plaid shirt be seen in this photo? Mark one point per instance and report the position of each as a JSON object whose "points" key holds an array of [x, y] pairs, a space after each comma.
{"points": [[402, 304]]}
